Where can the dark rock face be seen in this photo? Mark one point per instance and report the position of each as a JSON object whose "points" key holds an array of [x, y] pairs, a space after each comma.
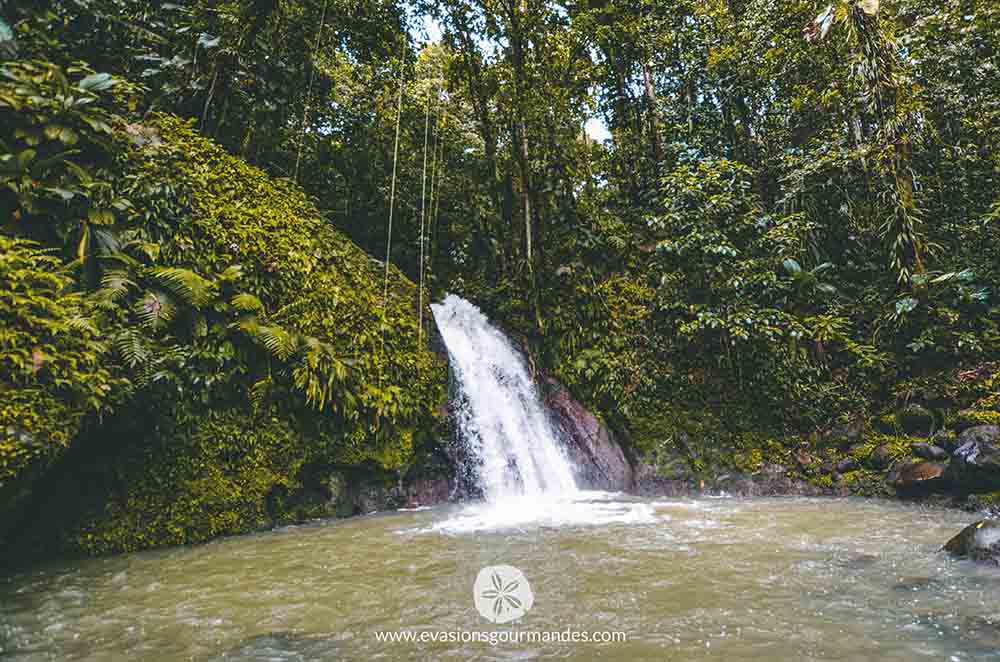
{"points": [[847, 465], [979, 542], [427, 492], [915, 420], [592, 447], [771, 480], [673, 480], [975, 464], [929, 451], [915, 477], [361, 494]]}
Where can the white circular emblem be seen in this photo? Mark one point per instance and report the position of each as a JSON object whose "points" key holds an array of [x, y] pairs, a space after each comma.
{"points": [[502, 593]]}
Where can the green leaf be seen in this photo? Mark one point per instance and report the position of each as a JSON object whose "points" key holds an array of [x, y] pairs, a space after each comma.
{"points": [[906, 305], [791, 266], [97, 83]]}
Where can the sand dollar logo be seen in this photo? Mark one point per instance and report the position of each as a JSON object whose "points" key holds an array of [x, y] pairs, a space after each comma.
{"points": [[502, 593]]}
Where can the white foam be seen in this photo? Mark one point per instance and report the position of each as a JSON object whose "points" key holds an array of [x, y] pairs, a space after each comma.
{"points": [[582, 509]]}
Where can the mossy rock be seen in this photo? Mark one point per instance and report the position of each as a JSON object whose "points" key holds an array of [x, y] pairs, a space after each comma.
{"points": [[185, 463], [915, 420], [968, 418], [195, 476], [879, 451], [312, 280]]}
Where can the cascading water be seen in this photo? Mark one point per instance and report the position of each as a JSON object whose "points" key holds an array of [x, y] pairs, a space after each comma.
{"points": [[512, 446]]}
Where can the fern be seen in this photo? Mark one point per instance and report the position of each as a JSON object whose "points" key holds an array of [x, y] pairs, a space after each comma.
{"points": [[188, 286], [131, 348], [155, 310], [115, 284], [247, 303], [259, 392]]}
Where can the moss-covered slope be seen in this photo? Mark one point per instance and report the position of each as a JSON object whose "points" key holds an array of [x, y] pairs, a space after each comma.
{"points": [[224, 444]]}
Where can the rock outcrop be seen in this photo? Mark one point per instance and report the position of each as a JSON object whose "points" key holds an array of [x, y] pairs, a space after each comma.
{"points": [[593, 448], [979, 542], [911, 478], [975, 463]]}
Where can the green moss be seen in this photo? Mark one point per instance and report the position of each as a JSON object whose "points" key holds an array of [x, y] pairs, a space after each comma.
{"points": [[191, 459], [52, 368], [897, 445], [968, 418], [314, 281], [201, 476], [887, 422]]}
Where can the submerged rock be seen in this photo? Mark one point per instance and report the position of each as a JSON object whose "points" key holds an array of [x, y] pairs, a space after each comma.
{"points": [[976, 462], [979, 542], [283, 647]]}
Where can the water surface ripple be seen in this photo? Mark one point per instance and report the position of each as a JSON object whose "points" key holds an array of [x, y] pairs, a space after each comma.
{"points": [[705, 579]]}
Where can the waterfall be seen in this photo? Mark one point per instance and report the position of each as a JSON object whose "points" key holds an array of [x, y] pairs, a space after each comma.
{"points": [[509, 440]]}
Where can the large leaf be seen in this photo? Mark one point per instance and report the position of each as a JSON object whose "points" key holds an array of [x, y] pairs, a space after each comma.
{"points": [[97, 83]]}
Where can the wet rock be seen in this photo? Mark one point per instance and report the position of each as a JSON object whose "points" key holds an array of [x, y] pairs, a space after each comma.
{"points": [[592, 446], [975, 464], [986, 504], [945, 439], [913, 477], [979, 542], [915, 420], [847, 465], [881, 457], [674, 478], [929, 451], [771, 480], [427, 492]]}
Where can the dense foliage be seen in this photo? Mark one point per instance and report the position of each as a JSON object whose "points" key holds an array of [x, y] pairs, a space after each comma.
{"points": [[790, 223], [190, 349]]}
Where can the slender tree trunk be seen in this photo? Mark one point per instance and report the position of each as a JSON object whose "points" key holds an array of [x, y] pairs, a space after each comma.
{"points": [[652, 111]]}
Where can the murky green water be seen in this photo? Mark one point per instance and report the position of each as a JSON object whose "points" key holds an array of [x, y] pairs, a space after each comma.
{"points": [[711, 579]]}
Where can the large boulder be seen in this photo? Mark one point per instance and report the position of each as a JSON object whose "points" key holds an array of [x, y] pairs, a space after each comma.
{"points": [[975, 464], [979, 542], [592, 446], [916, 477]]}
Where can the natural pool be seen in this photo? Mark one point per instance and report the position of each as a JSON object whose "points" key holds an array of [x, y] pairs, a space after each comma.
{"points": [[705, 579]]}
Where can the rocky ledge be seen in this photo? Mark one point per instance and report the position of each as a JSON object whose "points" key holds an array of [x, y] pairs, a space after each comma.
{"points": [[978, 542]]}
